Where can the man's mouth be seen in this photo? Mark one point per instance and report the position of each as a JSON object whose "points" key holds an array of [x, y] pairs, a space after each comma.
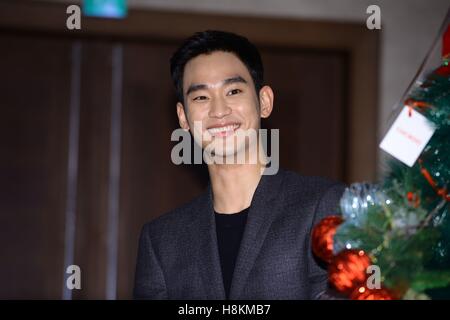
{"points": [[223, 131]]}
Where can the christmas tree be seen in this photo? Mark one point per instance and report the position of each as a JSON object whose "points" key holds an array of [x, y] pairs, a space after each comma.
{"points": [[400, 227]]}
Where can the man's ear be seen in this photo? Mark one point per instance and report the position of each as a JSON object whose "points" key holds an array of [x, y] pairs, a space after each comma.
{"points": [[266, 101], [182, 120]]}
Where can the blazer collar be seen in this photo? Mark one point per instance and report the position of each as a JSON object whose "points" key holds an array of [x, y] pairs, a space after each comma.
{"points": [[263, 210]]}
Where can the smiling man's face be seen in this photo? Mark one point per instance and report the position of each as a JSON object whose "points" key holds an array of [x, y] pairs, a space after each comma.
{"points": [[219, 94]]}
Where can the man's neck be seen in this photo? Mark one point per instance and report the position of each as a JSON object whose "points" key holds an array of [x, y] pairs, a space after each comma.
{"points": [[233, 186]]}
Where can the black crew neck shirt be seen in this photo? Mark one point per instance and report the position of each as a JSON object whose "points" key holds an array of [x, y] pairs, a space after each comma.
{"points": [[229, 229]]}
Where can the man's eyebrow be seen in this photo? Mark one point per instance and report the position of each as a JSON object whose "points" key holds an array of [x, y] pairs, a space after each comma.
{"points": [[234, 80], [196, 87]]}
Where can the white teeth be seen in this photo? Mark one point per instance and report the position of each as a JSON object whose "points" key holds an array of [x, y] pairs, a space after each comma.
{"points": [[223, 129]]}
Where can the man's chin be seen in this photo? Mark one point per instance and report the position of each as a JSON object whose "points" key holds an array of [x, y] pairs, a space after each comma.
{"points": [[228, 156]]}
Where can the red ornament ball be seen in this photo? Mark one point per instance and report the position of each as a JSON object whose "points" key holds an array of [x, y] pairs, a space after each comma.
{"points": [[347, 271], [364, 293], [322, 237], [443, 70]]}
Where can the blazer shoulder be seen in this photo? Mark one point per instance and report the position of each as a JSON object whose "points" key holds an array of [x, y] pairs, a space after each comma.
{"points": [[177, 218], [299, 189], [295, 182]]}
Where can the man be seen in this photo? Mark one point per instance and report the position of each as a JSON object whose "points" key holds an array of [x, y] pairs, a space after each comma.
{"points": [[248, 235]]}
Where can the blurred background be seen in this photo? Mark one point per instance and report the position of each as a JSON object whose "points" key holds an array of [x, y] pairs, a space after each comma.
{"points": [[87, 114]]}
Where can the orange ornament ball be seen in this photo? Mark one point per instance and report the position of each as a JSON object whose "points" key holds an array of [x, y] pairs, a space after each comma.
{"points": [[347, 271], [322, 237]]}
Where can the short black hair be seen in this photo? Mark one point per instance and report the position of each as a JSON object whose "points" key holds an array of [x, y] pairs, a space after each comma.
{"points": [[209, 41]]}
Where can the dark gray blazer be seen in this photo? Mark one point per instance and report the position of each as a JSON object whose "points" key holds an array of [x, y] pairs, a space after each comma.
{"points": [[178, 255]]}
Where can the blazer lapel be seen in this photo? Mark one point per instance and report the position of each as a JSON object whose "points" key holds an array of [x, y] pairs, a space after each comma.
{"points": [[263, 210], [208, 254]]}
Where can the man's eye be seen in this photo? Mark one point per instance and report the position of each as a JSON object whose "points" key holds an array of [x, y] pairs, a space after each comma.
{"points": [[200, 98], [234, 91]]}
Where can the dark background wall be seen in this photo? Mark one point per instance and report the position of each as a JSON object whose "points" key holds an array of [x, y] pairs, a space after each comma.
{"points": [[105, 102]]}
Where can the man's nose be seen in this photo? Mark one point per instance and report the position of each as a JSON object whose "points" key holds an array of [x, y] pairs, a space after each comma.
{"points": [[219, 108]]}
